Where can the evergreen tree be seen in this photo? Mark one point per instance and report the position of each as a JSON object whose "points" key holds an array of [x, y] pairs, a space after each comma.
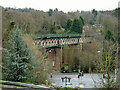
{"points": [[56, 9], [17, 61], [94, 12], [109, 35], [77, 26], [82, 20], [12, 25], [69, 24], [50, 12]]}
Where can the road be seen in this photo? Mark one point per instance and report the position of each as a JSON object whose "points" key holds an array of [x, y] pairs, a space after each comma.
{"points": [[88, 80]]}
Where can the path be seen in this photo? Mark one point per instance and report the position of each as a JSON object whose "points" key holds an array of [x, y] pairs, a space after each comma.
{"points": [[87, 80]]}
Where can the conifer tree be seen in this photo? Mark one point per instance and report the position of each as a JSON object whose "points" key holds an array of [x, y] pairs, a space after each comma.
{"points": [[82, 20], [69, 24], [77, 26], [17, 61]]}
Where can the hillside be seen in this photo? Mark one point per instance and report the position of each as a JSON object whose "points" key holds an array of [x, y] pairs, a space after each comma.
{"points": [[35, 22]]}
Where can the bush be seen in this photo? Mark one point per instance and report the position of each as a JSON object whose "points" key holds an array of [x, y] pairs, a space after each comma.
{"points": [[65, 69], [91, 22], [86, 69], [62, 69], [58, 27]]}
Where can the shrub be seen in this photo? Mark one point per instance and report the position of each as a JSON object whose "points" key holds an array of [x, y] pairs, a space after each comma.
{"points": [[86, 69]]}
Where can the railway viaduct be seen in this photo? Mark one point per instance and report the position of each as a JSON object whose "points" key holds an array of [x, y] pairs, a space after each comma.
{"points": [[53, 45]]}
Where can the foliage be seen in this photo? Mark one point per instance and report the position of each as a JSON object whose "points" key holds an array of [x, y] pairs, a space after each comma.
{"points": [[109, 50], [86, 69], [116, 12], [89, 57], [87, 16], [91, 22], [109, 35], [94, 12], [82, 20], [36, 21], [77, 26], [40, 72], [83, 57], [56, 9], [65, 69], [69, 24], [109, 61], [58, 27], [20, 65], [6, 34], [50, 12], [109, 66], [17, 59], [110, 23], [12, 25], [70, 55]]}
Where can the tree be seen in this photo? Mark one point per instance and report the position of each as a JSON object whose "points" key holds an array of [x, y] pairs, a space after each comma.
{"points": [[109, 56], [109, 35], [56, 9], [69, 24], [40, 72], [17, 58], [7, 33], [77, 26], [94, 12], [82, 20], [109, 63], [12, 25], [50, 12]]}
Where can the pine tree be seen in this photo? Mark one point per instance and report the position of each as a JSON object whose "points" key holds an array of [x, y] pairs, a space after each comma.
{"points": [[50, 12], [69, 24], [17, 61], [77, 26], [109, 35], [94, 12], [82, 20]]}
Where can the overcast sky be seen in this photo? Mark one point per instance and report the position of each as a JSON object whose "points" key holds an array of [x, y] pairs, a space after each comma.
{"points": [[64, 5]]}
